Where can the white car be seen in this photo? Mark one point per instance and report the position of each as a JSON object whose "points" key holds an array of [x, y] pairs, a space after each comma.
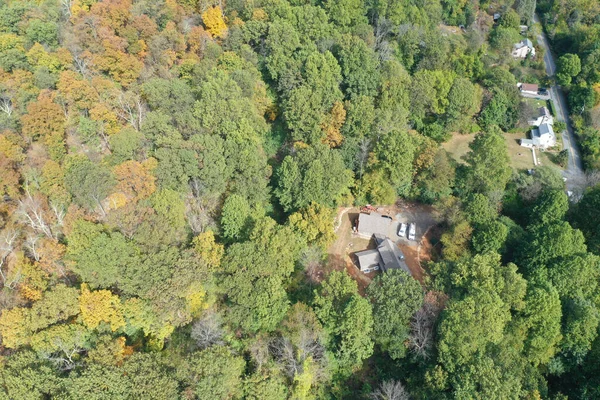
{"points": [[402, 230], [412, 230]]}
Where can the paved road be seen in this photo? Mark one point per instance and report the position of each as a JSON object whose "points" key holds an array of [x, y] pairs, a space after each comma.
{"points": [[574, 171]]}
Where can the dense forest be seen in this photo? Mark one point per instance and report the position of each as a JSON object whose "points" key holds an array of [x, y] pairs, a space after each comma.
{"points": [[171, 172]]}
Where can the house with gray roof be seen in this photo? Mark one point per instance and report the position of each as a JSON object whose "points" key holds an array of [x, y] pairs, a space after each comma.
{"points": [[542, 137], [523, 48], [386, 256]]}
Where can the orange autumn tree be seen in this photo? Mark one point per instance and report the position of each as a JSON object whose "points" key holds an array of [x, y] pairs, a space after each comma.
{"points": [[135, 180], [77, 92], [44, 118], [11, 155], [214, 22]]}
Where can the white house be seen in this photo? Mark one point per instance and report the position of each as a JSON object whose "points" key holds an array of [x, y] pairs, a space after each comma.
{"points": [[523, 48], [542, 137], [544, 117]]}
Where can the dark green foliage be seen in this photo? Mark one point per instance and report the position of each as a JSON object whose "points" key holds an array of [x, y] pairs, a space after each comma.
{"points": [[586, 216], [314, 175], [396, 296], [488, 164], [89, 183], [348, 318]]}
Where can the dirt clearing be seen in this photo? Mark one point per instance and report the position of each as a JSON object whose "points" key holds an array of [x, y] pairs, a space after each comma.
{"points": [[341, 252]]}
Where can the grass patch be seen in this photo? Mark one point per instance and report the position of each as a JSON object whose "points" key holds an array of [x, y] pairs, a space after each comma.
{"points": [[535, 103], [458, 146], [549, 159], [520, 157]]}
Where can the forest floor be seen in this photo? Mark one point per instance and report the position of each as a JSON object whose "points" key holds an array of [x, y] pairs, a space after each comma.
{"points": [[341, 252]]}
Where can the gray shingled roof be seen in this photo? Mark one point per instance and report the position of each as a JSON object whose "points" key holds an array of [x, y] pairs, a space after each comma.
{"points": [[546, 129], [392, 256], [370, 224], [368, 258], [387, 255]]}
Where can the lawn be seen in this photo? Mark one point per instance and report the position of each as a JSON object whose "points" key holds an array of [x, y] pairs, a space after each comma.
{"points": [[535, 103], [520, 157], [458, 146]]}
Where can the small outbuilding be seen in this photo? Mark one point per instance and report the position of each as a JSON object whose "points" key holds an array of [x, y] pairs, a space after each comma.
{"points": [[529, 88]]}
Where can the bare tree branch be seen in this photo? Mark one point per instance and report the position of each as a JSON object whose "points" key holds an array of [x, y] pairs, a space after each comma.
{"points": [[390, 390], [31, 212], [207, 331]]}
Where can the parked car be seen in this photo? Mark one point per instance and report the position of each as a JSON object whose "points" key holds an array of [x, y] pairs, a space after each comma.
{"points": [[543, 91], [402, 230], [412, 230]]}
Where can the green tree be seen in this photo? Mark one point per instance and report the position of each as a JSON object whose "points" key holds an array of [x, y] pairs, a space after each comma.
{"points": [[586, 213], [395, 296], [316, 174], [99, 257], [214, 373], [395, 154], [526, 9], [463, 103], [348, 318], [42, 32], [488, 165], [542, 317], [89, 183], [569, 66], [27, 376], [550, 206], [346, 13], [254, 273], [235, 217], [359, 67], [490, 237]]}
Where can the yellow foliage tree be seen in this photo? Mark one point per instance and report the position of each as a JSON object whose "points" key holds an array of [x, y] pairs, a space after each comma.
{"points": [[195, 299], [100, 306], [208, 249], [15, 327], [315, 224], [214, 22], [332, 124], [38, 56], [10, 148], [139, 315]]}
